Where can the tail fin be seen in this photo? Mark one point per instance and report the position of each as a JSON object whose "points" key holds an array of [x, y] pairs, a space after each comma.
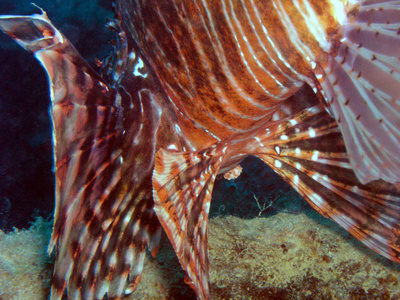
{"points": [[104, 209], [309, 153], [362, 87], [183, 184]]}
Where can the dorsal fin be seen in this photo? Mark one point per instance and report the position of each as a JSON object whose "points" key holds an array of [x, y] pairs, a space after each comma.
{"points": [[362, 86], [308, 151], [183, 184]]}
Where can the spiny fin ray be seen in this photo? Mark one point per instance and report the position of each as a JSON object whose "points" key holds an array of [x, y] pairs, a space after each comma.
{"points": [[362, 87], [318, 167], [182, 192], [104, 214]]}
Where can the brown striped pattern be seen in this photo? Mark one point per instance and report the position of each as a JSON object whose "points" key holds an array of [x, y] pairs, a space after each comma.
{"points": [[104, 155], [313, 159], [226, 65], [104, 218], [182, 189], [193, 88], [308, 151]]}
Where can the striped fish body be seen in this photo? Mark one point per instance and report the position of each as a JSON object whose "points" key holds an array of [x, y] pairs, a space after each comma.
{"points": [[193, 88], [228, 66]]}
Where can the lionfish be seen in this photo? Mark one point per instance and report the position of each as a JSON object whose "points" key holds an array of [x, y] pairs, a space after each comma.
{"points": [[192, 89]]}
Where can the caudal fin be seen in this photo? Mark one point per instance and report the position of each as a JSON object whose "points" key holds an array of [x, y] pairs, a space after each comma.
{"points": [[362, 87], [308, 151], [104, 215]]}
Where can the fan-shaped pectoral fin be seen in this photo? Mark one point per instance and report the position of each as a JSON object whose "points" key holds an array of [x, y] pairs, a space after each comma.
{"points": [[182, 184]]}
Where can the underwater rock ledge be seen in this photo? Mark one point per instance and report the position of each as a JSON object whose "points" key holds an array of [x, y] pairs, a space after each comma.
{"points": [[285, 256]]}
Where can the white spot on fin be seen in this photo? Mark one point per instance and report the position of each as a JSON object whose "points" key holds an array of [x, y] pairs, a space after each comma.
{"points": [[278, 150], [278, 164], [311, 132]]}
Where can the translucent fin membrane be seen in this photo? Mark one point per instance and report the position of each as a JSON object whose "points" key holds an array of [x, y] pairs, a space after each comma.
{"points": [[104, 210], [362, 87], [183, 184], [313, 159]]}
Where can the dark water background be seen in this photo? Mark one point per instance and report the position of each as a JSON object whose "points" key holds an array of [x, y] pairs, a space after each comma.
{"points": [[26, 162], [26, 178]]}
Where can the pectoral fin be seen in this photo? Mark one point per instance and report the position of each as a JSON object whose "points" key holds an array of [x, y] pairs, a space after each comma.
{"points": [[104, 216], [362, 87], [182, 185], [308, 151]]}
